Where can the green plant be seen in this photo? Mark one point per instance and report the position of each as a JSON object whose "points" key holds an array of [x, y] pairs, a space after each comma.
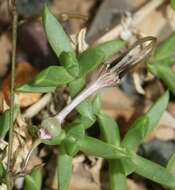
{"points": [[120, 154]]}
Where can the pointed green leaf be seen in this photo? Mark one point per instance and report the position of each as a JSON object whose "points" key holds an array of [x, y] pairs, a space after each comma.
{"points": [[172, 4], [76, 128], [165, 74], [153, 171], [76, 85], [86, 109], [110, 132], [155, 112], [142, 127], [96, 104], [146, 123], [116, 176], [165, 53], [30, 87], [89, 60], [64, 170], [93, 57], [33, 180], [85, 121], [71, 146], [56, 36], [136, 133], [109, 129], [4, 121], [171, 165], [70, 63], [110, 48], [52, 76], [2, 172], [47, 80], [95, 147]]}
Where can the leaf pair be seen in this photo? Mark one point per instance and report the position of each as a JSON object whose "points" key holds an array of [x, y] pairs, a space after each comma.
{"points": [[134, 137]]}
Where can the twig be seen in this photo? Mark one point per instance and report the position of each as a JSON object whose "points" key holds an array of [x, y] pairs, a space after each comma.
{"points": [[37, 107], [136, 20], [12, 94], [35, 144]]}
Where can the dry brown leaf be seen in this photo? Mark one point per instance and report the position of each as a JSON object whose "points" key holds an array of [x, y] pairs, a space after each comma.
{"points": [[5, 48], [4, 13], [24, 73], [171, 108], [170, 14], [21, 144], [83, 184], [150, 26], [166, 129], [81, 7], [132, 185], [115, 103], [3, 187]]}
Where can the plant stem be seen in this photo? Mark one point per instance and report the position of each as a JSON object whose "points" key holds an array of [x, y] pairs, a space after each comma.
{"points": [[34, 146], [12, 97]]}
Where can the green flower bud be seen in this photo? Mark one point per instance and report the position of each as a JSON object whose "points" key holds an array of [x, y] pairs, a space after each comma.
{"points": [[51, 132]]}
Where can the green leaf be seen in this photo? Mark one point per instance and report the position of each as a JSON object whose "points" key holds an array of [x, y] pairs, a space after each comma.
{"points": [[136, 133], [47, 80], [33, 180], [76, 85], [95, 147], [146, 123], [56, 36], [76, 128], [109, 129], [96, 104], [2, 172], [86, 109], [53, 76], [70, 63], [165, 53], [128, 166], [172, 4], [171, 165], [110, 133], [165, 74], [4, 121], [93, 57], [153, 171], [141, 128], [110, 48], [64, 170], [71, 146], [89, 60], [116, 176], [85, 121], [155, 112], [30, 87]]}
